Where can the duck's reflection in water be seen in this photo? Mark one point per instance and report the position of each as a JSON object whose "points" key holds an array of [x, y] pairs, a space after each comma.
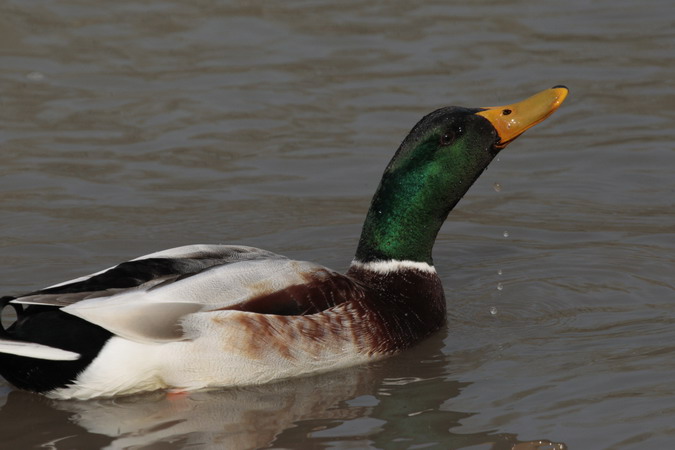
{"points": [[401, 402]]}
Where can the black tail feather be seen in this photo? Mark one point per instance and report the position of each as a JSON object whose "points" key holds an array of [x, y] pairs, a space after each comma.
{"points": [[47, 325], [18, 310]]}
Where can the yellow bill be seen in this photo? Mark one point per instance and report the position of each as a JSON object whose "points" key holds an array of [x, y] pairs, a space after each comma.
{"points": [[511, 121]]}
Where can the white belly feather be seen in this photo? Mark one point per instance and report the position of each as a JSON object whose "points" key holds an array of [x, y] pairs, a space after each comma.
{"points": [[233, 349]]}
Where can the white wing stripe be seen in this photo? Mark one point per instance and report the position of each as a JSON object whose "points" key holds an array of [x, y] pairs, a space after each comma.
{"points": [[39, 351]]}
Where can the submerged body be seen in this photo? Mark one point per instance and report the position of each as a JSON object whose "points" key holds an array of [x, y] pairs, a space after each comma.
{"points": [[214, 315]]}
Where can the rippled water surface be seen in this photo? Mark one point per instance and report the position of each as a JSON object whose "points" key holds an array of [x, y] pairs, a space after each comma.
{"points": [[128, 127]]}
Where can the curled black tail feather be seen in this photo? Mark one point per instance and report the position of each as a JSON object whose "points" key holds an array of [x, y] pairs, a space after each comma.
{"points": [[47, 325], [18, 309]]}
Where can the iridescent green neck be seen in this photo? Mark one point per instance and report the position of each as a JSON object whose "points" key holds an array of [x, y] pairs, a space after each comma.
{"points": [[422, 183], [404, 219]]}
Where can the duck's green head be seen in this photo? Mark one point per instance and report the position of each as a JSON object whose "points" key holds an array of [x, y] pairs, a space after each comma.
{"points": [[434, 167]]}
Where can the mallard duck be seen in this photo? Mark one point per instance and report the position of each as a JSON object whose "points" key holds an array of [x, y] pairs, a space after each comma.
{"points": [[204, 316]]}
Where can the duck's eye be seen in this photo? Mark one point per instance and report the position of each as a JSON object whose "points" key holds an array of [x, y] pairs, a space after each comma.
{"points": [[506, 112], [447, 138]]}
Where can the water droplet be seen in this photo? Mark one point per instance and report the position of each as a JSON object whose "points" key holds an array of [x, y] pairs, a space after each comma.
{"points": [[499, 272], [497, 187], [493, 310], [500, 286], [35, 76], [506, 234]]}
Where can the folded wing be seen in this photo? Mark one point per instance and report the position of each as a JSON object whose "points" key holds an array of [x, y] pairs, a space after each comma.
{"points": [[146, 299]]}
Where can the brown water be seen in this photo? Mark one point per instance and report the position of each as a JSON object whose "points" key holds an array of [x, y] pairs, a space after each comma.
{"points": [[128, 127]]}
